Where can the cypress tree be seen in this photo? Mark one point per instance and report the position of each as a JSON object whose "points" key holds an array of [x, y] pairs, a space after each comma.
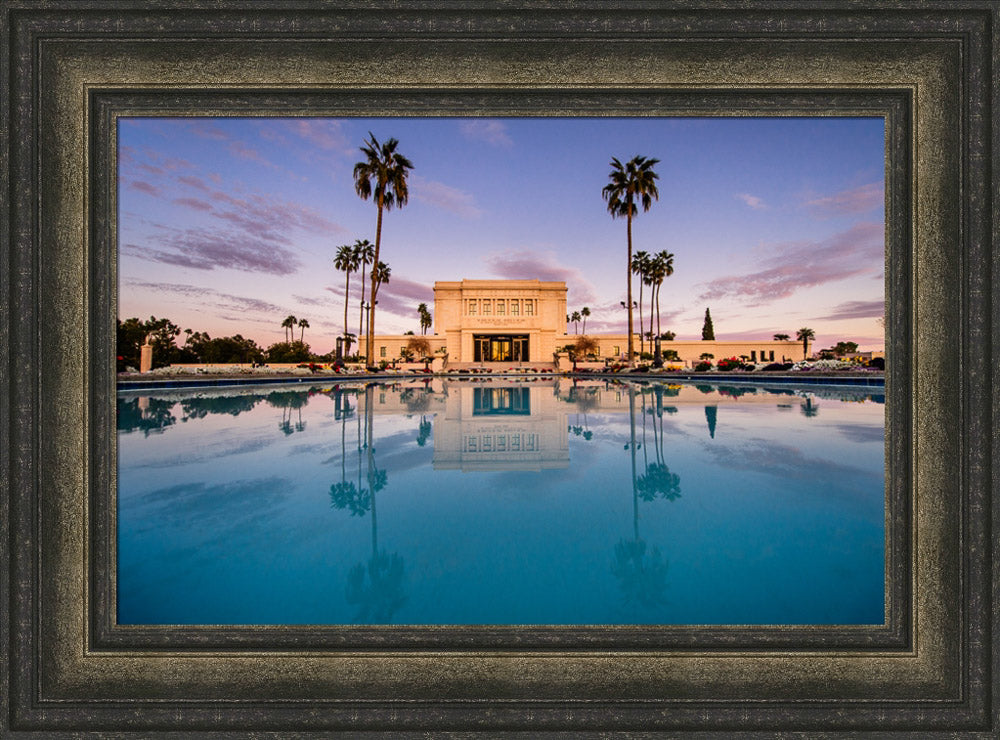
{"points": [[708, 331]]}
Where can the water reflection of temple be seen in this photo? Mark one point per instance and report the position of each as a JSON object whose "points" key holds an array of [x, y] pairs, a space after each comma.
{"points": [[501, 426]]}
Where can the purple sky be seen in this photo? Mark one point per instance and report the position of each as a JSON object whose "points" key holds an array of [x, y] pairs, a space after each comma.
{"points": [[227, 225]]}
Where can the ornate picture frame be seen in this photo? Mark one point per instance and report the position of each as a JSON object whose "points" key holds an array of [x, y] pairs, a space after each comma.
{"points": [[70, 68]]}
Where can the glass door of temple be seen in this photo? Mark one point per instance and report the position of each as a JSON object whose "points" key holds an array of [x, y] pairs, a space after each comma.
{"points": [[494, 348]]}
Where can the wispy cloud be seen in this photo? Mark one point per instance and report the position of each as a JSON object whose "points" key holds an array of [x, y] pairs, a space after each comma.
{"points": [[444, 197], [861, 199], [857, 310], [795, 266], [752, 200], [203, 249], [526, 265], [226, 301], [145, 187], [323, 134], [491, 131], [195, 203]]}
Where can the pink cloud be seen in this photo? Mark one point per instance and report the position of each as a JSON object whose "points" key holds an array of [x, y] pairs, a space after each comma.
{"points": [[861, 199], [194, 182], [198, 205], [795, 266], [444, 197], [326, 135], [145, 187], [857, 310]]}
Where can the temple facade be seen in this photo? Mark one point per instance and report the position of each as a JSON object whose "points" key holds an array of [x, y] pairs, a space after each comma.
{"points": [[524, 321]]}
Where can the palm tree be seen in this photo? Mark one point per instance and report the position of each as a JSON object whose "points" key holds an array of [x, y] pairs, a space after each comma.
{"points": [[425, 318], [575, 318], [364, 252], [383, 175], [380, 276], [287, 325], [781, 337], [634, 181], [347, 262], [585, 312], [640, 267], [303, 324], [664, 268], [804, 335]]}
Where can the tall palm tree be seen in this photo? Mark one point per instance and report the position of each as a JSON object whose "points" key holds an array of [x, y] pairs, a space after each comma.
{"points": [[664, 262], [640, 267], [364, 252], [804, 335], [347, 262], [585, 312], [382, 175], [575, 318], [303, 325], [287, 325], [632, 184]]}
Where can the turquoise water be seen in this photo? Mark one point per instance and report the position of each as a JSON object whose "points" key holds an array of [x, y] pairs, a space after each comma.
{"points": [[501, 502]]}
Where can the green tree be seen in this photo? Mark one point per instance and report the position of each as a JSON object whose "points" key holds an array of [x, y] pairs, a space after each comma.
{"points": [[380, 276], [804, 335], [303, 325], [631, 185], [287, 324], [347, 261], [381, 175], [707, 330], [640, 267], [781, 337], [585, 312], [575, 318], [131, 335], [845, 348], [288, 352]]}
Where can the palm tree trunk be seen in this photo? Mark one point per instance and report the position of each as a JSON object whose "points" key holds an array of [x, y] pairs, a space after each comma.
{"points": [[659, 329], [370, 341], [347, 296], [361, 313], [631, 344], [652, 305], [641, 282]]}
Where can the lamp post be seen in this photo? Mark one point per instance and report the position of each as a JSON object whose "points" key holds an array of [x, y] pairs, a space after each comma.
{"points": [[340, 349], [365, 307], [634, 306]]}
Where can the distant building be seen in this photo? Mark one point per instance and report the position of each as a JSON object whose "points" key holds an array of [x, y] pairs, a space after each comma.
{"points": [[518, 321]]}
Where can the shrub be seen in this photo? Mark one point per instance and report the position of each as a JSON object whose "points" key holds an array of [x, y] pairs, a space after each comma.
{"points": [[702, 367], [877, 362]]}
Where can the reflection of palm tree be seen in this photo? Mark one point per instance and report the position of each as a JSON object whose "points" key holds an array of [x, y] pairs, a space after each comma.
{"points": [[658, 481], [642, 579], [423, 431], [381, 594], [711, 414]]}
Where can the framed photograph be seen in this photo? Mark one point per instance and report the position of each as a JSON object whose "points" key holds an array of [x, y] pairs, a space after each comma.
{"points": [[79, 75]]}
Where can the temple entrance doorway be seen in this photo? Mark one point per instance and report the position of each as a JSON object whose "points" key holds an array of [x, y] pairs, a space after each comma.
{"points": [[500, 347]]}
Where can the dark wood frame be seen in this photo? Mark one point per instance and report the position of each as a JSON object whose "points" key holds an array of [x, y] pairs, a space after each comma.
{"points": [[70, 68]]}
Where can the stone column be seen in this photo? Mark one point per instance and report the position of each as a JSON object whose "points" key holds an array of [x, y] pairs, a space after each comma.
{"points": [[146, 357]]}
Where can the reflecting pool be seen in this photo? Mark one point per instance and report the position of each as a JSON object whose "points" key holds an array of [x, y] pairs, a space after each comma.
{"points": [[501, 501]]}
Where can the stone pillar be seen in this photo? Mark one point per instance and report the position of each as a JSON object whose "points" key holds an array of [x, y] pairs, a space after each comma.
{"points": [[146, 357]]}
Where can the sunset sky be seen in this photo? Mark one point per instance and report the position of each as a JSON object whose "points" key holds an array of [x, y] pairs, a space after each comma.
{"points": [[228, 225]]}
